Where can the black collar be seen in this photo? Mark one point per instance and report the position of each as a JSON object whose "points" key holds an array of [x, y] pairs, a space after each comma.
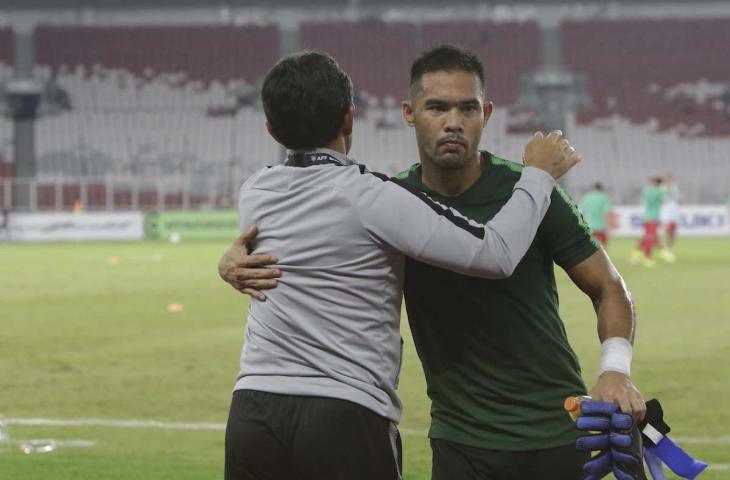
{"points": [[316, 157]]}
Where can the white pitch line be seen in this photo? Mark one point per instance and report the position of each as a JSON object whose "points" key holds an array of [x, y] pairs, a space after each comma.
{"points": [[60, 443], [154, 424], [99, 422]]}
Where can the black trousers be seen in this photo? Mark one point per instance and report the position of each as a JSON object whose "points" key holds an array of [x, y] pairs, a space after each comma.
{"points": [[453, 461], [290, 437]]}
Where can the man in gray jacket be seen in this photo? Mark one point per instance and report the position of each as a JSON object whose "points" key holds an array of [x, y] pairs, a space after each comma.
{"points": [[316, 393]]}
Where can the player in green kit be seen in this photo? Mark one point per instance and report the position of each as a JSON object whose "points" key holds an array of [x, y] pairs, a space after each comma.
{"points": [[495, 354], [596, 205], [651, 197]]}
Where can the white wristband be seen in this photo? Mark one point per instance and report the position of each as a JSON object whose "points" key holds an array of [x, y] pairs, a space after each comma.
{"points": [[616, 353]]}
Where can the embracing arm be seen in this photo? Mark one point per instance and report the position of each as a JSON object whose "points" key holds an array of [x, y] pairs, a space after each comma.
{"points": [[248, 273]]}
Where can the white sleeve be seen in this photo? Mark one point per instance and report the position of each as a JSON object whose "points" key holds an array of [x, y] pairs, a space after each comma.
{"points": [[409, 221]]}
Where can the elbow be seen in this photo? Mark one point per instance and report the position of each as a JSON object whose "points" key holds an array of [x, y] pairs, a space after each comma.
{"points": [[507, 263], [506, 268]]}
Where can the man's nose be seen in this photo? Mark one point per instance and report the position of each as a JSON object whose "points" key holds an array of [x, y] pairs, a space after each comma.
{"points": [[454, 121]]}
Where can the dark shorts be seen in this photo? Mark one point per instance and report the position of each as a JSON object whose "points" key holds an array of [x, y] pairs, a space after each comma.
{"points": [[291, 437], [453, 461]]}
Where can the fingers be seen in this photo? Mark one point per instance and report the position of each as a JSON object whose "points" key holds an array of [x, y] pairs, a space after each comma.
{"points": [[639, 406], [252, 293], [247, 236], [595, 477], [623, 458], [622, 421], [588, 443], [252, 261], [600, 423], [620, 440], [555, 135], [257, 284], [243, 273], [598, 465], [598, 408], [632, 404], [621, 475], [552, 153], [574, 158], [624, 405], [617, 388]]}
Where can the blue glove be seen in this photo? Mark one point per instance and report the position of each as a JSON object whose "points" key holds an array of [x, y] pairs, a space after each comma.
{"points": [[613, 435], [595, 421], [626, 449]]}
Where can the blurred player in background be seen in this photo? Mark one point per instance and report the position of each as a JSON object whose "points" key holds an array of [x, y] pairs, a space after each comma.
{"points": [[596, 206], [495, 353], [651, 197], [669, 215]]}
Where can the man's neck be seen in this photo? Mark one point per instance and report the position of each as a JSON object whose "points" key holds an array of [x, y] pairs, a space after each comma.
{"points": [[338, 145], [450, 182]]}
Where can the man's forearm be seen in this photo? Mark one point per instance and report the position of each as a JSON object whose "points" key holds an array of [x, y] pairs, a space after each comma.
{"points": [[615, 310]]}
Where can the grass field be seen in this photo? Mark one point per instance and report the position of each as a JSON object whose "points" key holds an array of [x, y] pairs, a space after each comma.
{"points": [[83, 336]]}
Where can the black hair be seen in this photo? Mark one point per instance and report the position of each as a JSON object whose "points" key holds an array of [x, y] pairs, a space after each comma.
{"points": [[446, 58], [306, 96], [598, 186]]}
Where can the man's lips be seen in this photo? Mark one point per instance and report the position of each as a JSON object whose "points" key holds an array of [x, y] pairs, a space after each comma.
{"points": [[451, 143]]}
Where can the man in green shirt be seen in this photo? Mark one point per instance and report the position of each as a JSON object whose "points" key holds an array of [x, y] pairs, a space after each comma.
{"points": [[596, 206], [495, 353], [651, 198]]}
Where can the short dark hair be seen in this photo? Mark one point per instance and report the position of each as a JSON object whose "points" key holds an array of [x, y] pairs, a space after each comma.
{"points": [[306, 96], [446, 58]]}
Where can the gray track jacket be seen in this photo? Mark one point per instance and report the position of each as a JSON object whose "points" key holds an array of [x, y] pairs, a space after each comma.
{"points": [[331, 327]]}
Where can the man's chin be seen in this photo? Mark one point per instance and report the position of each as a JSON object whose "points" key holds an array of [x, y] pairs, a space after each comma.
{"points": [[451, 161]]}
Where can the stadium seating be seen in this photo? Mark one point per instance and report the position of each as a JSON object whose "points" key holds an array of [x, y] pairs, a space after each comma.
{"points": [[155, 102], [665, 69], [660, 100], [158, 111], [377, 55], [202, 53]]}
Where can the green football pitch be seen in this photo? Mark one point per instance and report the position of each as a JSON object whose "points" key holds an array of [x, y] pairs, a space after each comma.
{"points": [[85, 334]]}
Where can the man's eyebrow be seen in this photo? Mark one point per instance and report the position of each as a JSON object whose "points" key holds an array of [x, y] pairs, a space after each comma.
{"points": [[462, 103], [436, 101]]}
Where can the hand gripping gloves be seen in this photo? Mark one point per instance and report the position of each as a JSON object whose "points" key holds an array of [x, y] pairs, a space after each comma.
{"points": [[622, 446]]}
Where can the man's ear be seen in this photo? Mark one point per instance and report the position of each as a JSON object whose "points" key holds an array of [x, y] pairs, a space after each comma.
{"points": [[407, 109], [348, 121], [271, 132], [488, 109]]}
